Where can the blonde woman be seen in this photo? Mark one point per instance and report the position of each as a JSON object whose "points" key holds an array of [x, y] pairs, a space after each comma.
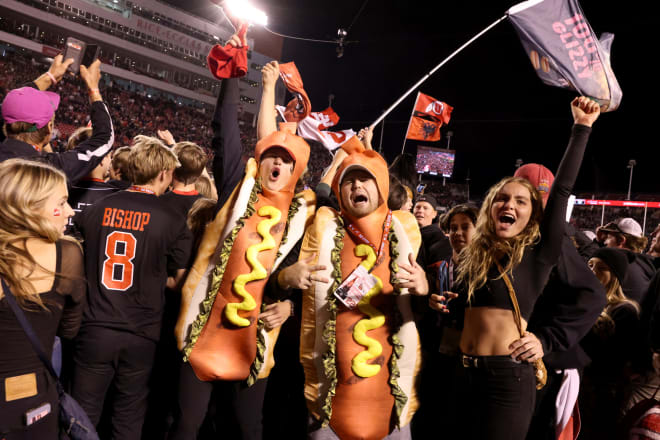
{"points": [[43, 269], [611, 346], [516, 241]]}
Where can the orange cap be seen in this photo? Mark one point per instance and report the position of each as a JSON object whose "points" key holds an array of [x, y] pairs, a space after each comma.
{"points": [[369, 161], [294, 145]]}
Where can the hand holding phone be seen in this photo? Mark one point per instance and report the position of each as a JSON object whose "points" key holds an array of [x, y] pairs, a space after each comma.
{"points": [[59, 66], [92, 74], [83, 54]]}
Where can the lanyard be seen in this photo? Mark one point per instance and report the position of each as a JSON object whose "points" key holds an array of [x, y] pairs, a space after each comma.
{"points": [[356, 233], [141, 189], [185, 193]]}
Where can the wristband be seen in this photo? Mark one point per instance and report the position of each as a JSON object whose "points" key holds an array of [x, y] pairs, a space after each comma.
{"points": [[292, 306], [52, 78], [93, 92]]}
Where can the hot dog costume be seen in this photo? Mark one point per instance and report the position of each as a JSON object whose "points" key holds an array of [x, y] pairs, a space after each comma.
{"points": [[360, 363], [218, 330]]}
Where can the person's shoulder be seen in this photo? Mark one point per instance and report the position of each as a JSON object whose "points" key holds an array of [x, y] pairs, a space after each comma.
{"points": [[624, 311], [432, 232], [170, 195], [12, 148], [70, 248], [119, 184]]}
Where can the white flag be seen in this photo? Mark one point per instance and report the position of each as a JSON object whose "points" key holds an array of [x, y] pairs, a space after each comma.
{"points": [[314, 127]]}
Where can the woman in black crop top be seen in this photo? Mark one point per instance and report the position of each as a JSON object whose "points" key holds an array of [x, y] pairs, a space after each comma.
{"points": [[516, 233], [44, 272]]}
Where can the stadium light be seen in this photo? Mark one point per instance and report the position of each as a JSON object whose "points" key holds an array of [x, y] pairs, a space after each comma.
{"points": [[245, 11]]}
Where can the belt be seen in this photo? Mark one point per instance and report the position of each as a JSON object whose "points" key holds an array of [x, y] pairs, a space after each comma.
{"points": [[468, 361]]}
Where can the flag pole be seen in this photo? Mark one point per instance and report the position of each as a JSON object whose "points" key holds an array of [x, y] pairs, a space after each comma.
{"points": [[428, 75], [405, 136]]}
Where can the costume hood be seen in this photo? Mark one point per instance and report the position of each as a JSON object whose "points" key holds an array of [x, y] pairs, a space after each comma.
{"points": [[375, 165], [294, 145]]}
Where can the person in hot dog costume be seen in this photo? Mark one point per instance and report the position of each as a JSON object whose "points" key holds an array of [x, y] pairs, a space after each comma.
{"points": [[223, 327], [360, 362]]}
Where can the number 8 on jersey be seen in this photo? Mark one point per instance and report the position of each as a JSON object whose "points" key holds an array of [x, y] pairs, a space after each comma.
{"points": [[118, 266]]}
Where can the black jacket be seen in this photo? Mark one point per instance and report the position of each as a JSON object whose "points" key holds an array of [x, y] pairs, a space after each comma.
{"points": [[78, 162]]}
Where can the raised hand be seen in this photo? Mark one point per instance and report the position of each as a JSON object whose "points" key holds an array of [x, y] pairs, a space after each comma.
{"points": [[270, 73], [236, 40], [55, 73], [92, 74], [59, 66], [166, 137], [366, 135], [585, 111]]}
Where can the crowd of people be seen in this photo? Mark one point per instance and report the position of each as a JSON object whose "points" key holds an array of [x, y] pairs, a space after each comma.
{"points": [[275, 290]]}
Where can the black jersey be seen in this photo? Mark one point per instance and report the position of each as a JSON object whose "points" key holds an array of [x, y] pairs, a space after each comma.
{"points": [[130, 238], [86, 193], [180, 201]]}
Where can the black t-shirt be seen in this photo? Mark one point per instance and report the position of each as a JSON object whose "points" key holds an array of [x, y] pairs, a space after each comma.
{"points": [[86, 193], [180, 202], [130, 237]]}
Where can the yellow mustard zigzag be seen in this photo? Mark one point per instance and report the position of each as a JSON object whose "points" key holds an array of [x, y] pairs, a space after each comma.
{"points": [[376, 319], [259, 272]]}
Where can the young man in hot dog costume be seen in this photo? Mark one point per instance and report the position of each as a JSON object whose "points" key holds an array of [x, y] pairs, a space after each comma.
{"points": [[224, 328], [361, 355]]}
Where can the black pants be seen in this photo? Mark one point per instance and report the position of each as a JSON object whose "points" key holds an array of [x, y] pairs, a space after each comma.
{"points": [[496, 398], [545, 417], [194, 396], [105, 357]]}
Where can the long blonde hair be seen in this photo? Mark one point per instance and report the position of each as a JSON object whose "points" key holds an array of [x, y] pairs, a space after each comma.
{"points": [[25, 186], [486, 247], [615, 298]]}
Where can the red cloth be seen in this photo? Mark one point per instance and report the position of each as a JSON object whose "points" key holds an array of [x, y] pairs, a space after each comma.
{"points": [[228, 61], [299, 107], [572, 428]]}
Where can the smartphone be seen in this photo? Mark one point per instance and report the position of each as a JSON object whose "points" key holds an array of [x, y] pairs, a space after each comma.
{"points": [[420, 188], [91, 54], [83, 54], [74, 49]]}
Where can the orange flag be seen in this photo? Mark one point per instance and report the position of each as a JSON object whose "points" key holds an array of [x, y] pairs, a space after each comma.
{"points": [[300, 106], [429, 107], [423, 130], [428, 116]]}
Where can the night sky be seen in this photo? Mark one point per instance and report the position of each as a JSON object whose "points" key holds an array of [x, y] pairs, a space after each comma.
{"points": [[502, 111]]}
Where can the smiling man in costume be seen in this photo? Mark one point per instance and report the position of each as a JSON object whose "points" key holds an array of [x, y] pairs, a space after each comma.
{"points": [[224, 327], [360, 355]]}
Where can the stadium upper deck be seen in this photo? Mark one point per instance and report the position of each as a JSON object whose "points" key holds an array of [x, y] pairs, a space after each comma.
{"points": [[144, 41]]}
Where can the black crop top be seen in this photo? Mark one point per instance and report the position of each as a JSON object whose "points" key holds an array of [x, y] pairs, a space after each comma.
{"points": [[531, 275]]}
